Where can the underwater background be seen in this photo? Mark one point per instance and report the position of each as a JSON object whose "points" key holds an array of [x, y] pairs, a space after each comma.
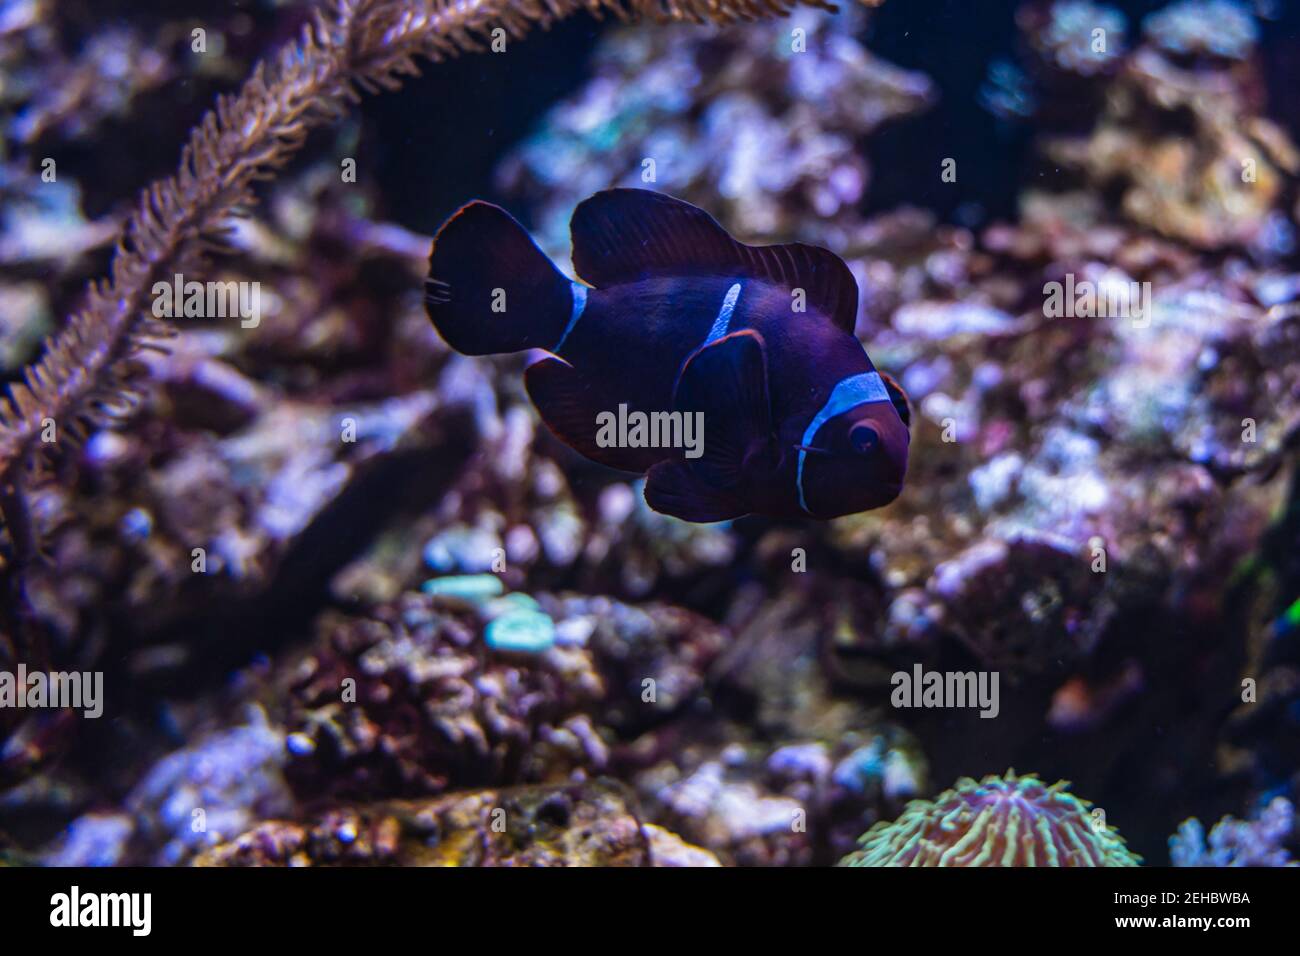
{"points": [[353, 603]]}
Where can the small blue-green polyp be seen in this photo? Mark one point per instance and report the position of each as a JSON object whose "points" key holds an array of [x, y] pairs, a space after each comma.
{"points": [[475, 589], [522, 630]]}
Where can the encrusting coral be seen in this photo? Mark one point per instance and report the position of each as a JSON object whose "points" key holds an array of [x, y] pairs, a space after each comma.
{"points": [[585, 824], [1260, 841], [999, 821]]}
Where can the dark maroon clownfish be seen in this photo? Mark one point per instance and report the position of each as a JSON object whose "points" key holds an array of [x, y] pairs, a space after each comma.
{"points": [[674, 315]]}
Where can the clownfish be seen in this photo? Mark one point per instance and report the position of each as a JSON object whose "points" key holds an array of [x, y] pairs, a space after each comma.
{"points": [[673, 315]]}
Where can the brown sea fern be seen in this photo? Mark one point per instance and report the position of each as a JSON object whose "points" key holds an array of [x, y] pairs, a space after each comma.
{"points": [[83, 378]]}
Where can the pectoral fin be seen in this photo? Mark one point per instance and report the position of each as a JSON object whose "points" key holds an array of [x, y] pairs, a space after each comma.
{"points": [[726, 381]]}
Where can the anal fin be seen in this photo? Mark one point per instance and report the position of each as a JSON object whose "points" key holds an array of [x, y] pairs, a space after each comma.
{"points": [[568, 403]]}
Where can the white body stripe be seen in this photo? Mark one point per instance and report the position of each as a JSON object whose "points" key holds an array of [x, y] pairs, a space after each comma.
{"points": [[579, 304], [849, 393], [723, 322]]}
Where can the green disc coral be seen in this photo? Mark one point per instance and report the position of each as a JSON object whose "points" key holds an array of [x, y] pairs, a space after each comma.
{"points": [[999, 821]]}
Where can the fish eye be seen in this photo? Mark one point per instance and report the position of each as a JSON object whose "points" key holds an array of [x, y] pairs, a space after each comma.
{"points": [[863, 438]]}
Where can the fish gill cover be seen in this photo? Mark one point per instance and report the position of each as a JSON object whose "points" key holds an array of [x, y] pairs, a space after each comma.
{"points": [[344, 598]]}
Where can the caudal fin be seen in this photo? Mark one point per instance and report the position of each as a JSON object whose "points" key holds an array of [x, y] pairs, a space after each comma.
{"points": [[490, 289]]}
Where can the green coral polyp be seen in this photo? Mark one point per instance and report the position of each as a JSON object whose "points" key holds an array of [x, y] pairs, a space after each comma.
{"points": [[999, 821]]}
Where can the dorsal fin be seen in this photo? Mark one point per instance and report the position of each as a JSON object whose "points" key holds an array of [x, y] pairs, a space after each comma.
{"points": [[622, 235]]}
